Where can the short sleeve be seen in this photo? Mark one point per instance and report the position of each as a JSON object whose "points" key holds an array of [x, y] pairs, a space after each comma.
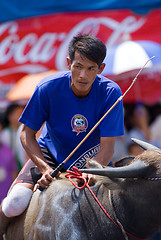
{"points": [[36, 111]]}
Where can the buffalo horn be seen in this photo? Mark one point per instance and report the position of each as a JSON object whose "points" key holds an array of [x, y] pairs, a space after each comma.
{"points": [[136, 169], [143, 144]]}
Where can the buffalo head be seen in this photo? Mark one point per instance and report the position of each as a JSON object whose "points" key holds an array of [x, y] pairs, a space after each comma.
{"points": [[128, 167]]}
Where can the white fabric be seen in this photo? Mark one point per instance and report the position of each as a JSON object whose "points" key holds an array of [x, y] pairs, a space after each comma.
{"points": [[129, 55], [17, 200]]}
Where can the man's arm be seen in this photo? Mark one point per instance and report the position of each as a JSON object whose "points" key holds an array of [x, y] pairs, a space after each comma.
{"points": [[30, 144], [106, 151]]}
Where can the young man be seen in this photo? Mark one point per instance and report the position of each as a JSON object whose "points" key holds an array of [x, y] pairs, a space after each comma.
{"points": [[70, 104]]}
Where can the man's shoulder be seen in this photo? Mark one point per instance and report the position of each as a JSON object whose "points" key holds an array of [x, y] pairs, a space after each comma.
{"points": [[54, 78], [107, 83]]}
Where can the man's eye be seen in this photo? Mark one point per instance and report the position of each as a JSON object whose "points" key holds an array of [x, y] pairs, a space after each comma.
{"points": [[91, 68], [77, 66]]}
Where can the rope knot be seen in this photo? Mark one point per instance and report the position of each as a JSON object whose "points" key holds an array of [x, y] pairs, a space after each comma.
{"points": [[76, 174]]}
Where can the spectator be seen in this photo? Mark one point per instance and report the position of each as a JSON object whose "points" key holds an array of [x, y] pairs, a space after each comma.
{"points": [[120, 149], [22, 153], [9, 133], [8, 168], [155, 131], [140, 124], [134, 149]]}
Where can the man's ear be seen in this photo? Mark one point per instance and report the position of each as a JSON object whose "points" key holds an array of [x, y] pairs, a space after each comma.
{"points": [[68, 63], [100, 70]]}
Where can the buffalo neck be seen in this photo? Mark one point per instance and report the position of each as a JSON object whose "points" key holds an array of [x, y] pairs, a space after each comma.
{"points": [[137, 206]]}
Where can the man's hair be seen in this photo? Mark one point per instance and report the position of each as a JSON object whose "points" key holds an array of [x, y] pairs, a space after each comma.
{"points": [[10, 109], [88, 46]]}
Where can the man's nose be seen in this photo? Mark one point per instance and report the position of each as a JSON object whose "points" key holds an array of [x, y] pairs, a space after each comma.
{"points": [[83, 73]]}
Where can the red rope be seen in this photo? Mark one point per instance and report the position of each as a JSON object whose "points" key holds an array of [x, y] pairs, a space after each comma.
{"points": [[78, 175]]}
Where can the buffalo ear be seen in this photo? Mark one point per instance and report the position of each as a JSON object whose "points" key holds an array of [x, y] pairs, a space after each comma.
{"points": [[124, 161], [91, 163]]}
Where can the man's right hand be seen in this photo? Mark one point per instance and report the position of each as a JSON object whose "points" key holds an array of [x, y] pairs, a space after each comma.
{"points": [[46, 178]]}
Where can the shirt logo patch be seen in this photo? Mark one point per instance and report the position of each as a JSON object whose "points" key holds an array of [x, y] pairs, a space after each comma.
{"points": [[79, 123]]}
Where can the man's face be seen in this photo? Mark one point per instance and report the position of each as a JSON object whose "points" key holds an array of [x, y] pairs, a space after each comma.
{"points": [[83, 74]]}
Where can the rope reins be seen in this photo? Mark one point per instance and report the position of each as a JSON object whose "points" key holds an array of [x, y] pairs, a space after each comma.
{"points": [[78, 175]]}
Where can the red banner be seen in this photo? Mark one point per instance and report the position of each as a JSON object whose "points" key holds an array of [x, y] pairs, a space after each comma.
{"points": [[40, 43]]}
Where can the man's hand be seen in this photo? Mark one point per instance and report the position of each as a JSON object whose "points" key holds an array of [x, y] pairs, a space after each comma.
{"points": [[46, 179]]}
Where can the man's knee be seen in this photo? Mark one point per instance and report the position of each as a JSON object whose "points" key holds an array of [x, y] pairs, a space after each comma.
{"points": [[17, 200]]}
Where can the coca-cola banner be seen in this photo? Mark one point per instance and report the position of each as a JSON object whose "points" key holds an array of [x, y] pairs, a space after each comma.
{"points": [[39, 44]]}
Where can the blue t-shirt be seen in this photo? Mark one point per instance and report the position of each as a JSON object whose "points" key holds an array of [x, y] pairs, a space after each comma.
{"points": [[68, 118]]}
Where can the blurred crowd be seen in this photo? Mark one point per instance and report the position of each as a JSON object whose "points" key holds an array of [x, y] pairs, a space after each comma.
{"points": [[12, 154], [141, 122]]}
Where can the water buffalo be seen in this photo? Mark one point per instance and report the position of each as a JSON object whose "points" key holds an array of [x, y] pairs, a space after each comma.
{"points": [[130, 194]]}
